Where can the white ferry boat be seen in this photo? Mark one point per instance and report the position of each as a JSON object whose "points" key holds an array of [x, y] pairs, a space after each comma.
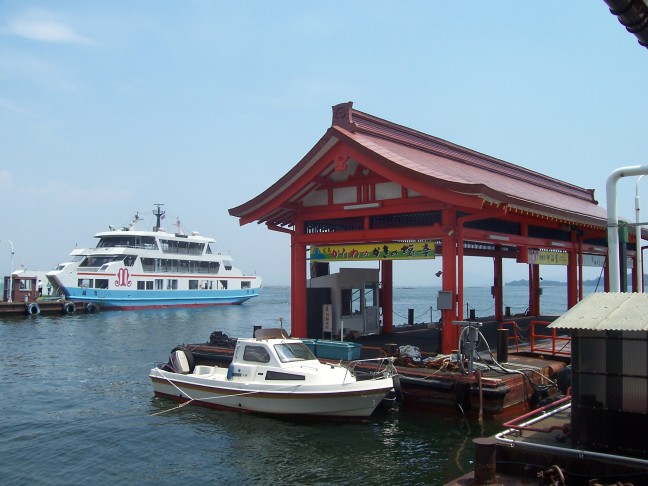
{"points": [[132, 269]]}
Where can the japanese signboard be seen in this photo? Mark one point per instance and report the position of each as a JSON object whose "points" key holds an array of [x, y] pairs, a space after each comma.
{"points": [[374, 251]]}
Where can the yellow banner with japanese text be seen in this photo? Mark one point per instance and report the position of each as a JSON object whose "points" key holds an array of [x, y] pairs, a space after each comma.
{"points": [[374, 251], [543, 257]]}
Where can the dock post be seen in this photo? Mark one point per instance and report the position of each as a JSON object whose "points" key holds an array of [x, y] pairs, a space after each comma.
{"points": [[485, 461], [502, 345]]}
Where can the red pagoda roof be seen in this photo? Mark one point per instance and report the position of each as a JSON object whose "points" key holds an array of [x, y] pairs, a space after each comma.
{"points": [[426, 164]]}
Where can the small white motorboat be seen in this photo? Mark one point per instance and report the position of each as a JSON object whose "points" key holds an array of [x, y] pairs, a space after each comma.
{"points": [[274, 375]]}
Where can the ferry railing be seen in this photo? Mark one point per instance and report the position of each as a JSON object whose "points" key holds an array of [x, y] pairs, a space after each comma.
{"points": [[516, 336], [543, 337]]}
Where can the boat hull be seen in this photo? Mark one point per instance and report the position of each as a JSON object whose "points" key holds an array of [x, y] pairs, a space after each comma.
{"points": [[349, 400], [147, 299]]}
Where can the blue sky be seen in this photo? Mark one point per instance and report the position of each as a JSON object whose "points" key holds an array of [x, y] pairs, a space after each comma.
{"points": [[109, 107]]}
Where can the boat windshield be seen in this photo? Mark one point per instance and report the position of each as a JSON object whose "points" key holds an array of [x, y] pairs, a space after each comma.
{"points": [[98, 261], [288, 352]]}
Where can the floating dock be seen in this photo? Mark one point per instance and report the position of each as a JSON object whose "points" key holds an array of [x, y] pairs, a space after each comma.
{"points": [[47, 306]]}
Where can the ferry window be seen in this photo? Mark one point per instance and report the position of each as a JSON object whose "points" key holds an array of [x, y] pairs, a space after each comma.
{"points": [[193, 284], [99, 261], [129, 260], [149, 285], [257, 354], [101, 283], [140, 285], [149, 242], [172, 284], [85, 283], [223, 284], [148, 264], [208, 249], [227, 265], [214, 267], [24, 285], [204, 267], [159, 284], [245, 284]]}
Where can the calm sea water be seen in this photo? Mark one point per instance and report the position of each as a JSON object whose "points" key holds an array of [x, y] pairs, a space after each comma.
{"points": [[77, 406]]}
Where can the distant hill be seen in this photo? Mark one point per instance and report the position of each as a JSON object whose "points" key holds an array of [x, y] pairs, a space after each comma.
{"points": [[554, 283]]}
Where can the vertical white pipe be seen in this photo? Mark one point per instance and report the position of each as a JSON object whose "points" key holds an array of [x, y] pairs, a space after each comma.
{"points": [[613, 220], [639, 271]]}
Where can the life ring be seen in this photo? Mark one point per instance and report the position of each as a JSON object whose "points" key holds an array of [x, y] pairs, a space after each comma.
{"points": [[69, 308], [32, 309], [91, 308]]}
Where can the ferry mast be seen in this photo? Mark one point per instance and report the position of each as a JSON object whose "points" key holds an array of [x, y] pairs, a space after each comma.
{"points": [[159, 214]]}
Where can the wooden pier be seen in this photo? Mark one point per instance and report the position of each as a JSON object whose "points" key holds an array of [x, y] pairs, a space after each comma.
{"points": [[47, 306]]}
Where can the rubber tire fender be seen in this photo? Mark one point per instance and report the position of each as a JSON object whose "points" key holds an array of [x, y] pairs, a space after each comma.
{"points": [[69, 308]]}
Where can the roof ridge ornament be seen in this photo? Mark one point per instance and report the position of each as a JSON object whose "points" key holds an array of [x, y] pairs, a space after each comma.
{"points": [[342, 116]]}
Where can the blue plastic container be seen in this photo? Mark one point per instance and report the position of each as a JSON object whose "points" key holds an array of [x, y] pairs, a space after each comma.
{"points": [[310, 344], [345, 351]]}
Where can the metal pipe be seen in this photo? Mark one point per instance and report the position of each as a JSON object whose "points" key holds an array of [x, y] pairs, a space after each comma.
{"points": [[580, 453], [613, 220], [639, 272]]}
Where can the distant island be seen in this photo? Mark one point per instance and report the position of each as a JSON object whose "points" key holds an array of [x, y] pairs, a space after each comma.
{"points": [[555, 283]]}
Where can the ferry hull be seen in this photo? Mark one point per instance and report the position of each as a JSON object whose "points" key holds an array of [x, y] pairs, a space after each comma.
{"points": [[147, 299]]}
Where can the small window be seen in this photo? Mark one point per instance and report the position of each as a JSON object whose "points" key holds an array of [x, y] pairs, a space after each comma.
{"points": [[141, 285], [101, 283], [172, 284], [258, 354], [193, 284], [159, 284], [85, 283], [246, 284], [223, 284], [149, 285]]}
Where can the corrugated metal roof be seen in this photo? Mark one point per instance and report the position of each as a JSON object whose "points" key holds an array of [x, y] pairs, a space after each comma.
{"points": [[618, 311]]}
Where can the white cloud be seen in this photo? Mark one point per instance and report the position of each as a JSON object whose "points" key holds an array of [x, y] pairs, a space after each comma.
{"points": [[42, 26]]}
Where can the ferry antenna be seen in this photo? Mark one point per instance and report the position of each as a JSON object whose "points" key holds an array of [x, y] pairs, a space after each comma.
{"points": [[159, 214]]}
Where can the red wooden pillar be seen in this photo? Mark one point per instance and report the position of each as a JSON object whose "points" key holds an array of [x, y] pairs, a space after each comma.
{"points": [[534, 289], [572, 274], [387, 296], [450, 332], [497, 288], [298, 289]]}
